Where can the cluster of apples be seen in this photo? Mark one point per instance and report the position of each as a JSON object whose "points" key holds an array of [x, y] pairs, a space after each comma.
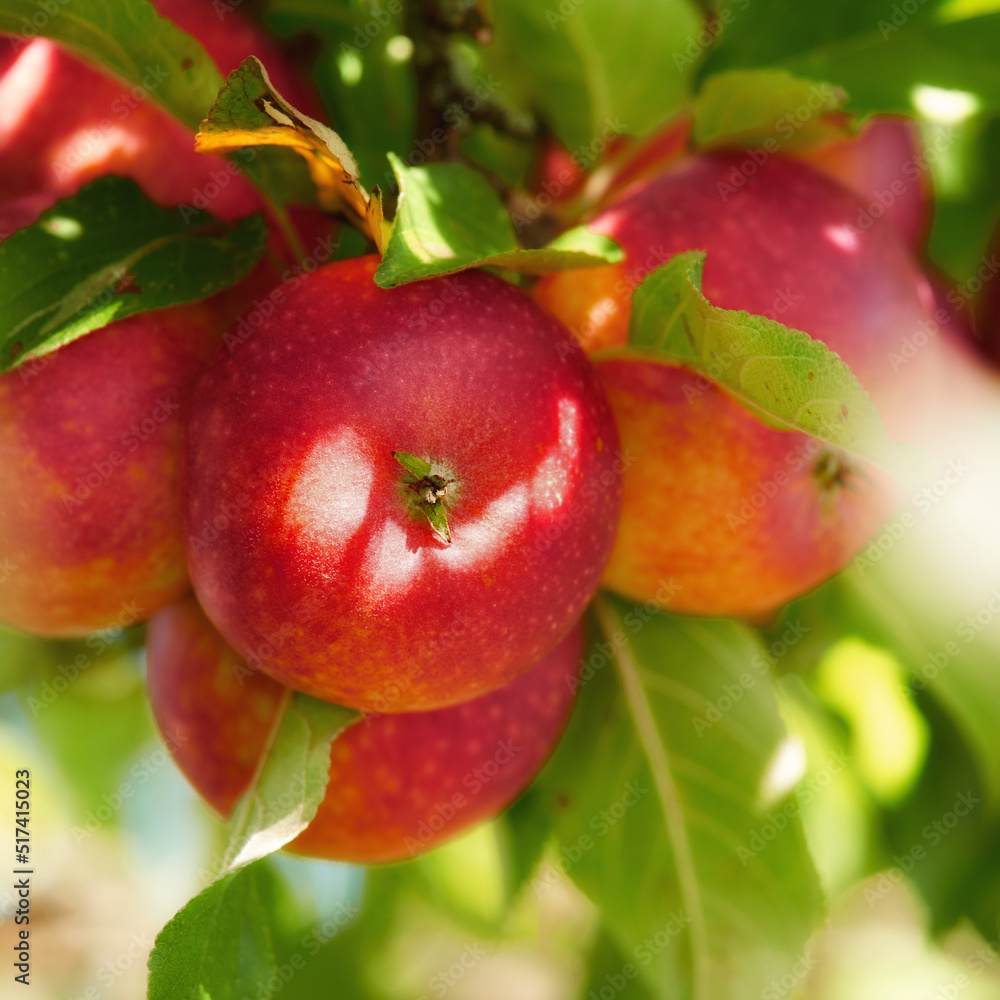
{"points": [[398, 501], [402, 501]]}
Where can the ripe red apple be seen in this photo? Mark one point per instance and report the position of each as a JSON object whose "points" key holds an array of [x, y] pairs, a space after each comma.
{"points": [[740, 516], [885, 166], [214, 711], [301, 523], [64, 122], [90, 434], [556, 172], [399, 784], [89, 444]]}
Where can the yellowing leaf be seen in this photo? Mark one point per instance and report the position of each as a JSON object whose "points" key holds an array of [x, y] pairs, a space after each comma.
{"points": [[249, 111], [380, 229]]}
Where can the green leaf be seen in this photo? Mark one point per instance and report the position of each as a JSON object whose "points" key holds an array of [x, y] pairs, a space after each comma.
{"points": [[884, 598], [526, 828], [782, 375], [529, 822], [219, 946], [86, 703], [956, 866], [503, 157], [24, 658], [878, 52], [808, 627], [292, 780], [595, 69], [449, 219], [836, 808], [107, 253], [376, 110], [347, 944], [611, 969], [948, 657], [881, 73], [768, 106], [668, 812], [129, 39], [763, 32], [965, 217]]}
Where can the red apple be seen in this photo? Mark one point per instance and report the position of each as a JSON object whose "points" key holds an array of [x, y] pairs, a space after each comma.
{"points": [[214, 711], [556, 172], [399, 784], [90, 434], [89, 444], [885, 166], [299, 521], [64, 122], [739, 516]]}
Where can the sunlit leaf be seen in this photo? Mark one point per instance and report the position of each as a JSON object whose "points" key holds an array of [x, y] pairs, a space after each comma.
{"points": [[666, 812], [449, 218], [292, 781], [767, 107]]}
